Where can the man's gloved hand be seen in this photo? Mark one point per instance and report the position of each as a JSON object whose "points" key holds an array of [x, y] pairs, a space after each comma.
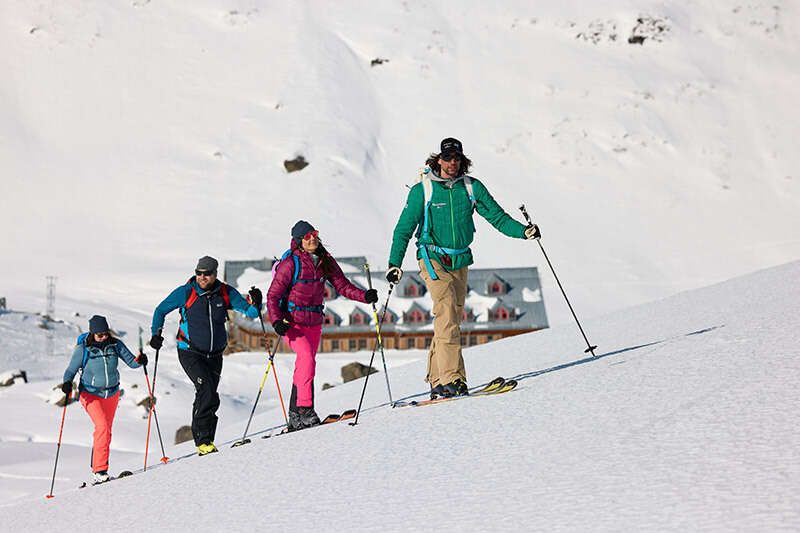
{"points": [[394, 274], [66, 387], [532, 232], [281, 327], [256, 298], [142, 359], [156, 341], [371, 296]]}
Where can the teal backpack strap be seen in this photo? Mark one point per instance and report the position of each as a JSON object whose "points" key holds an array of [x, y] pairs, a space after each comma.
{"points": [[427, 188]]}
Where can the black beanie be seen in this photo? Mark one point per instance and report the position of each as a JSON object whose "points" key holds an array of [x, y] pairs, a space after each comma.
{"points": [[300, 229], [98, 324], [207, 263]]}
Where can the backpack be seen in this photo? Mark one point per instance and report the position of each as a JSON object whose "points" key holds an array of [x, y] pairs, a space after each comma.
{"points": [[424, 228], [193, 296], [284, 303]]}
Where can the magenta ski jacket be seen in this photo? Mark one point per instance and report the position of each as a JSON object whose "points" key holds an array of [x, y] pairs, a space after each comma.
{"points": [[302, 302]]}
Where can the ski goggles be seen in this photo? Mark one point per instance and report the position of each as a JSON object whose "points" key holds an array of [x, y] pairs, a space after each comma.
{"points": [[311, 234]]}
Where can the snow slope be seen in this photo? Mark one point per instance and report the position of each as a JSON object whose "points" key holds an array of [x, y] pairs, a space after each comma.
{"points": [[137, 136], [687, 420]]}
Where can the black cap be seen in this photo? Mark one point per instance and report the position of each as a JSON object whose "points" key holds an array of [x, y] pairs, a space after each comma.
{"points": [[98, 324], [451, 145]]}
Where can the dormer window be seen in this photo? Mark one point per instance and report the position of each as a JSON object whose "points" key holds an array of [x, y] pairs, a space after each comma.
{"points": [[411, 291], [503, 314], [496, 288], [329, 320], [415, 317], [358, 318]]}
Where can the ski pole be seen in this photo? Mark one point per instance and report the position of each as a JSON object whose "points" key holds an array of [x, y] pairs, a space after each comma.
{"points": [[152, 413], [274, 372], [590, 348], [378, 333], [58, 449], [366, 379], [245, 440]]}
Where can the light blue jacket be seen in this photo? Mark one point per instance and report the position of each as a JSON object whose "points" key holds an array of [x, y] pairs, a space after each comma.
{"points": [[100, 375]]}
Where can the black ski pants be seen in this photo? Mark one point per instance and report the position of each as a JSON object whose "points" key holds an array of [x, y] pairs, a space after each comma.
{"points": [[205, 371]]}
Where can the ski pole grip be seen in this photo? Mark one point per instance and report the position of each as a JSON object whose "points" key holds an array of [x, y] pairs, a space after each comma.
{"points": [[369, 275], [525, 213]]}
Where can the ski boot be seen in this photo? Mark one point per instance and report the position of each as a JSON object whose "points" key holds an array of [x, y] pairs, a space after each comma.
{"points": [[455, 388], [100, 477], [205, 449], [437, 392], [302, 418]]}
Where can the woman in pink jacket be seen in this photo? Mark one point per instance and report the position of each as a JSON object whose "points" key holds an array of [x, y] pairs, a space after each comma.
{"points": [[295, 306]]}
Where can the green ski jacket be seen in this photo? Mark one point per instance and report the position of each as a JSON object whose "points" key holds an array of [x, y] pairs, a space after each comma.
{"points": [[450, 221]]}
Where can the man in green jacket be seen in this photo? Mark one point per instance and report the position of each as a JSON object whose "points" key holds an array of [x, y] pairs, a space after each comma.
{"points": [[440, 209]]}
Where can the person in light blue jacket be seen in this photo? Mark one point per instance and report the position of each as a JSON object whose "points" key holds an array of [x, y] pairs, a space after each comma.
{"points": [[97, 356]]}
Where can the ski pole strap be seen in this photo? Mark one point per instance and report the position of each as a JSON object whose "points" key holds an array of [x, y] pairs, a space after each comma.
{"points": [[291, 306]]}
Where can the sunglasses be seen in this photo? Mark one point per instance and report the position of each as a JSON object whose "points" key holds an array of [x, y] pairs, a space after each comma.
{"points": [[310, 234], [450, 156], [103, 334], [206, 273]]}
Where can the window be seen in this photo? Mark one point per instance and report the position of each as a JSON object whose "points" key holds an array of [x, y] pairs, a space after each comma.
{"points": [[335, 345], [502, 314], [428, 341], [351, 345], [473, 340], [415, 317], [411, 290], [388, 318], [362, 344], [466, 315], [464, 339], [329, 319], [358, 318]]}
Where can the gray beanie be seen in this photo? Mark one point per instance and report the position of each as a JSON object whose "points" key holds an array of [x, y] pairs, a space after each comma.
{"points": [[300, 229], [207, 263], [98, 324]]}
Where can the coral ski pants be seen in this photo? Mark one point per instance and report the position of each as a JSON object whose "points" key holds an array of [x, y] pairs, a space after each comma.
{"points": [[304, 340], [205, 371], [101, 411]]}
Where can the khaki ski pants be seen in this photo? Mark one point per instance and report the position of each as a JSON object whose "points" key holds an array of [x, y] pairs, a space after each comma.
{"points": [[445, 361]]}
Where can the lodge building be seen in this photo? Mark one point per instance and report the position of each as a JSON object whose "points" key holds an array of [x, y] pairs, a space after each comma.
{"points": [[501, 302]]}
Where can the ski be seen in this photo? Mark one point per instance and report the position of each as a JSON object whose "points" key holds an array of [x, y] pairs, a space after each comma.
{"points": [[347, 415], [496, 386], [124, 473], [330, 419]]}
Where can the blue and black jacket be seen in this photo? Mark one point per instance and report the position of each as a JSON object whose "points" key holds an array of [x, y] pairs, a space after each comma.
{"points": [[203, 315], [99, 361]]}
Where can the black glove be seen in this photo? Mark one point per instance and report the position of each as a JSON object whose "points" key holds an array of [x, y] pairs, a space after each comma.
{"points": [[142, 359], [256, 298], [532, 232], [156, 341], [281, 327], [66, 387], [371, 296], [394, 274]]}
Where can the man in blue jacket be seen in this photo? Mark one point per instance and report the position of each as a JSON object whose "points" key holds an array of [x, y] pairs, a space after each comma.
{"points": [[203, 302]]}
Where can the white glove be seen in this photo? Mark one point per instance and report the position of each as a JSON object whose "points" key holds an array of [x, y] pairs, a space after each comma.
{"points": [[532, 232]]}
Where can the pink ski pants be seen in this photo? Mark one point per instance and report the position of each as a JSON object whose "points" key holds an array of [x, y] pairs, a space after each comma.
{"points": [[101, 411], [304, 340]]}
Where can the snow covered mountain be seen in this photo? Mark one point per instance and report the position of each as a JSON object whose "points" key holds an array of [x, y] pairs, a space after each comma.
{"points": [[138, 136], [686, 420]]}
